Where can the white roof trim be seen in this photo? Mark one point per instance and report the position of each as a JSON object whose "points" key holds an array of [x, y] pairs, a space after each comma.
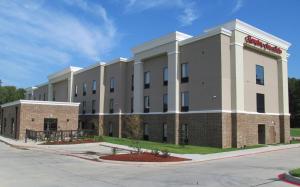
{"points": [[30, 89], [206, 35], [116, 60], [41, 85], [89, 67], [175, 36], [63, 72], [253, 31], [33, 102]]}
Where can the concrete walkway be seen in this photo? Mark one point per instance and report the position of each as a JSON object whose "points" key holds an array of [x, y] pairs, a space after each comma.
{"points": [[94, 150]]}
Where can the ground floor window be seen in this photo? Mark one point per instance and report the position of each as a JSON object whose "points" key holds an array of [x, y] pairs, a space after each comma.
{"points": [[165, 132], [184, 134], [110, 129], [146, 131], [50, 124], [261, 134]]}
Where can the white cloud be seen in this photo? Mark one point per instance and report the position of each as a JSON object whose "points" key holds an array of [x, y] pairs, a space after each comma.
{"points": [[238, 5], [188, 11], [36, 35]]}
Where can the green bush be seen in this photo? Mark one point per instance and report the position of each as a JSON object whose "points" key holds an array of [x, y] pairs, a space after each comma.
{"points": [[165, 152], [155, 152], [98, 138], [295, 172]]}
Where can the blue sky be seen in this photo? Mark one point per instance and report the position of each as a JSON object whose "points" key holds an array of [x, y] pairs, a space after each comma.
{"points": [[40, 37]]}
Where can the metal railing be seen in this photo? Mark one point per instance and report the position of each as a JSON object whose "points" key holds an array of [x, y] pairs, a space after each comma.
{"points": [[63, 135]]}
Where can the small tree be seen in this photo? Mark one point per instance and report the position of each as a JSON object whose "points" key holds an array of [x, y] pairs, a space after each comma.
{"points": [[133, 130], [132, 127]]}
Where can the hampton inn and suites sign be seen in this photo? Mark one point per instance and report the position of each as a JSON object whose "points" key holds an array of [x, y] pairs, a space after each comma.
{"points": [[258, 43]]}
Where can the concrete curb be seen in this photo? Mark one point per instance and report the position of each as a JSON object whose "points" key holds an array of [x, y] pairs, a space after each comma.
{"points": [[288, 178]]}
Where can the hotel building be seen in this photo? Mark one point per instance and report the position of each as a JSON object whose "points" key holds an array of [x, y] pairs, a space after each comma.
{"points": [[227, 87]]}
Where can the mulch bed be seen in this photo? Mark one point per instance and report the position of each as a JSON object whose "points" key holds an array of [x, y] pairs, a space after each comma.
{"points": [[142, 157], [70, 142]]}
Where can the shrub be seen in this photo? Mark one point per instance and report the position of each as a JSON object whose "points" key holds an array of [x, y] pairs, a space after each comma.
{"points": [[98, 138], [113, 150], [132, 128], [155, 152], [165, 152]]}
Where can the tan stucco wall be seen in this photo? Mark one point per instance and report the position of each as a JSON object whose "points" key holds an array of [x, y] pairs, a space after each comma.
{"points": [[41, 91], [87, 77], [270, 89], [225, 72], [116, 71], [155, 66], [204, 59], [61, 91], [129, 92]]}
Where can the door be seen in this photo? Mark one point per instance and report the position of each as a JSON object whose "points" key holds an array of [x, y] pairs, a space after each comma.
{"points": [[50, 124], [262, 134]]}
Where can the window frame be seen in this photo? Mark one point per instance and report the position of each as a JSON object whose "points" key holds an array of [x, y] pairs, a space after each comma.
{"points": [[165, 76], [183, 102], [184, 74], [165, 132], [94, 86], [112, 84], [260, 107], [260, 69], [84, 89], [165, 102], [93, 106], [76, 90], [146, 131], [111, 105], [146, 104], [147, 79]]}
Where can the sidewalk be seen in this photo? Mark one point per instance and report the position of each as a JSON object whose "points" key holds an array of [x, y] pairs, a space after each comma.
{"points": [[102, 148]]}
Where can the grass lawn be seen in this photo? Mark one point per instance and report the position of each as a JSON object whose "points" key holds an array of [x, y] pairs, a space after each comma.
{"points": [[295, 172], [295, 132], [187, 149]]}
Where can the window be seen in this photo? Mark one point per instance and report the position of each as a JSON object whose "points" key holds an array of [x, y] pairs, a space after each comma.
{"points": [[184, 136], [4, 128], [131, 105], [165, 76], [40, 97], [93, 106], [76, 91], [260, 103], [84, 89], [260, 75], [147, 80], [146, 104], [165, 132], [110, 129], [112, 85], [12, 126], [44, 97], [184, 72], [184, 101], [53, 98], [94, 86], [165, 102], [132, 82], [111, 106], [83, 107], [146, 131]]}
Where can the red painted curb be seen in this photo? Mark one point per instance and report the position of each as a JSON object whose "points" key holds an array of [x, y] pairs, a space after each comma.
{"points": [[282, 178]]}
